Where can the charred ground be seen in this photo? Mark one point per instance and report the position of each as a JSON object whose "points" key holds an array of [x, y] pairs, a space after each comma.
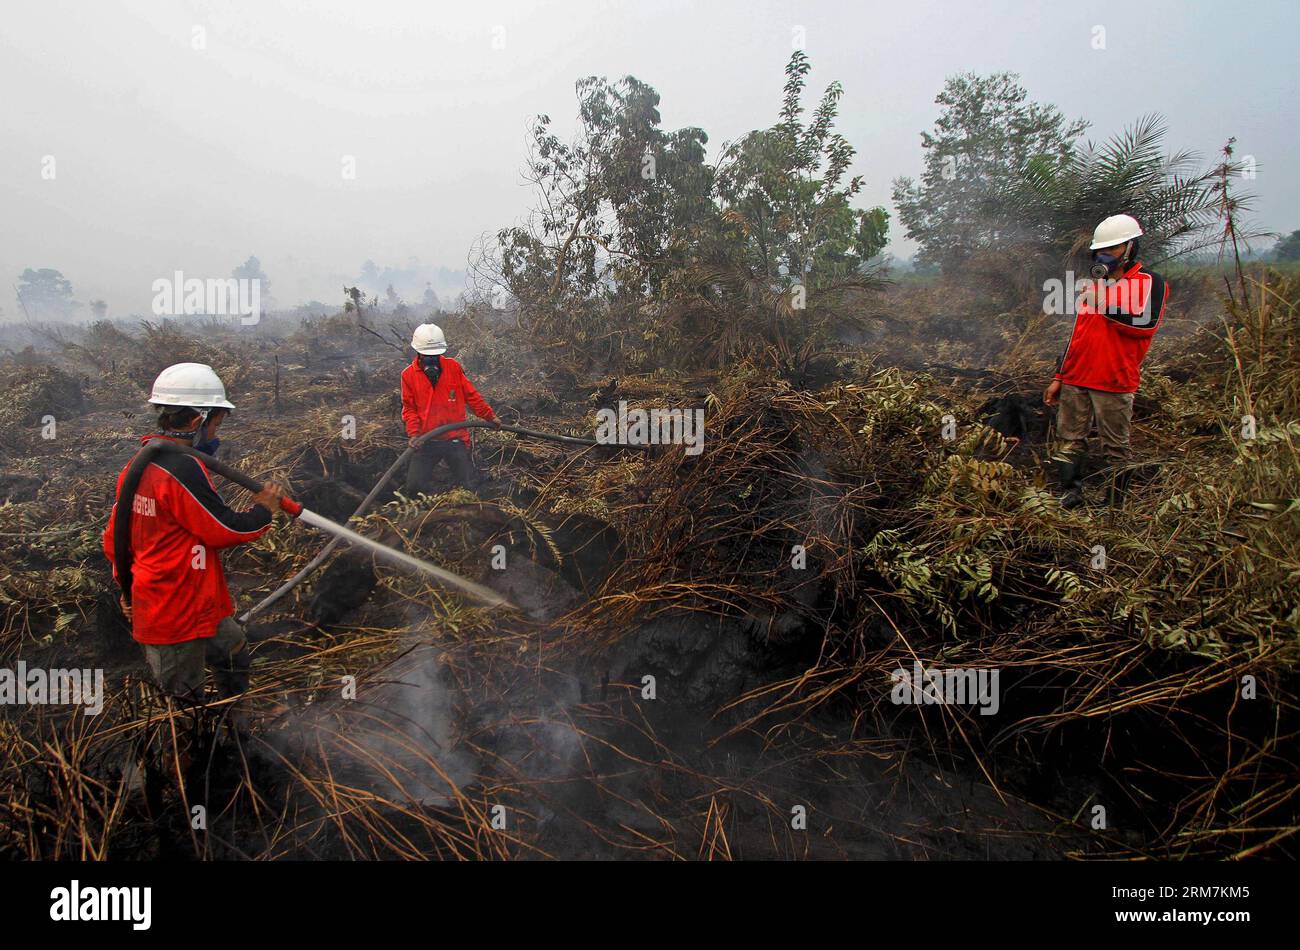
{"points": [[514, 734]]}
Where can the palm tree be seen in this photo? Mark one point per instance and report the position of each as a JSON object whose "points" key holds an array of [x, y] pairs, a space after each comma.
{"points": [[1175, 201]]}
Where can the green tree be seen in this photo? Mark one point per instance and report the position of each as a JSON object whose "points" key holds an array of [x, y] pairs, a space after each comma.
{"points": [[985, 138], [1011, 197], [787, 248], [45, 294], [610, 206], [251, 269], [430, 301], [1288, 248], [785, 187], [1174, 200], [634, 235]]}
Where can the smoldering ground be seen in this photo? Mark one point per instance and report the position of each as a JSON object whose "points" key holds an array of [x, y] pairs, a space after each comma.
{"points": [[771, 683]]}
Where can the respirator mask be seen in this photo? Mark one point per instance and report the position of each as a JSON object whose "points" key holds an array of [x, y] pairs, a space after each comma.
{"points": [[432, 366], [1103, 264]]}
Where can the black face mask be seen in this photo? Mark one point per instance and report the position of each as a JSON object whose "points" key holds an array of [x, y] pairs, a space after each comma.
{"points": [[1103, 264], [432, 366]]}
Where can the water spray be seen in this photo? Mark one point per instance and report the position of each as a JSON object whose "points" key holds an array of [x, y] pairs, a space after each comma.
{"points": [[295, 510], [326, 551]]}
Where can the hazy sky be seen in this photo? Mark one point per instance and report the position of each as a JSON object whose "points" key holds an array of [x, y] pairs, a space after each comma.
{"points": [[170, 157]]}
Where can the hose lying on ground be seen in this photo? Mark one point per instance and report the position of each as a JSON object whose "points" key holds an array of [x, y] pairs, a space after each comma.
{"points": [[326, 551]]}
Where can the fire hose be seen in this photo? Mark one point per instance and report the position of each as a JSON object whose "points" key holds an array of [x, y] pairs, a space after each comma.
{"points": [[326, 551], [131, 483]]}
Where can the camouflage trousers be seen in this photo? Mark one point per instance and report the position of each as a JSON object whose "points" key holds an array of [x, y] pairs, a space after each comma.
{"points": [[1078, 409]]}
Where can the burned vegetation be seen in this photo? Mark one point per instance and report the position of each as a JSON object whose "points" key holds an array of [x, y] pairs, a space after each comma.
{"points": [[733, 653], [700, 647]]}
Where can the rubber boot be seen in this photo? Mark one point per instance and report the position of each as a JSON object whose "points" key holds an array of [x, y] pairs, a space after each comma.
{"points": [[1071, 475], [232, 676]]}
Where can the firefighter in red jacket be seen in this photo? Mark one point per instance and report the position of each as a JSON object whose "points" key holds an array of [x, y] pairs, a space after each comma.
{"points": [[179, 606], [1098, 374], [435, 391]]}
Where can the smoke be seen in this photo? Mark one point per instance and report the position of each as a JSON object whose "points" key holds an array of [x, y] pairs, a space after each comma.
{"points": [[408, 729]]}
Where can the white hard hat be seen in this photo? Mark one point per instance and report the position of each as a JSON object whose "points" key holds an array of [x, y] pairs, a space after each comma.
{"points": [[429, 340], [189, 384], [1117, 229]]}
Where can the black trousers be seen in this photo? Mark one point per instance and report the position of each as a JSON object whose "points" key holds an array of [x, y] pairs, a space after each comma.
{"points": [[419, 474]]}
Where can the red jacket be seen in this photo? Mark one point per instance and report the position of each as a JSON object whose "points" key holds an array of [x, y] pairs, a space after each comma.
{"points": [[178, 524], [425, 407], [1111, 337]]}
